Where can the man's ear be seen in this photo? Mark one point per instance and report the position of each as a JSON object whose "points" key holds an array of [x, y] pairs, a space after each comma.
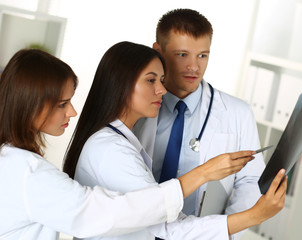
{"points": [[157, 47]]}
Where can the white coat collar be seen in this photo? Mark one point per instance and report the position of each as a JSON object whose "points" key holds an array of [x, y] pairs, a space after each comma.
{"points": [[128, 133], [133, 140], [218, 104], [214, 119]]}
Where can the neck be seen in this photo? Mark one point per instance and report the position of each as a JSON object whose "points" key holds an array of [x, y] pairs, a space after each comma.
{"points": [[178, 93], [181, 94], [128, 122]]}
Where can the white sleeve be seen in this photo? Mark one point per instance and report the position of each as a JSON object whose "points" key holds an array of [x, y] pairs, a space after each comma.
{"points": [[125, 171], [54, 200], [213, 227]]}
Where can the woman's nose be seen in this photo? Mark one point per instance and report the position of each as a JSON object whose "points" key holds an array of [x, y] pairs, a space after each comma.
{"points": [[71, 111], [160, 89]]}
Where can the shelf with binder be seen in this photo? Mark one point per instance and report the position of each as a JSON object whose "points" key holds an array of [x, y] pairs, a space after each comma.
{"points": [[272, 85], [271, 82], [22, 29]]}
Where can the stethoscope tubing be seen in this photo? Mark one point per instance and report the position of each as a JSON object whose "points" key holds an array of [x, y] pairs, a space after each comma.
{"points": [[208, 113]]}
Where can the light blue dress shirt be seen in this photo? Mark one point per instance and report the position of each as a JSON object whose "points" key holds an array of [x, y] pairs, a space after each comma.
{"points": [[188, 159]]}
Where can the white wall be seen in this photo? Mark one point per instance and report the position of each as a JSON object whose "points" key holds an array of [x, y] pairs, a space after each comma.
{"points": [[93, 26]]}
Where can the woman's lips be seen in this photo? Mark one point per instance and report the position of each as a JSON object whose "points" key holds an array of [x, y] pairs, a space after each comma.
{"points": [[157, 103]]}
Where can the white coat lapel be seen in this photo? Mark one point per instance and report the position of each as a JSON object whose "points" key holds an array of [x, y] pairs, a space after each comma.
{"points": [[214, 118], [214, 123], [145, 131], [147, 159]]}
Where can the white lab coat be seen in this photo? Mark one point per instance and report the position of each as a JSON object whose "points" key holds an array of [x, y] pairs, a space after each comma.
{"points": [[37, 200], [231, 127], [114, 162]]}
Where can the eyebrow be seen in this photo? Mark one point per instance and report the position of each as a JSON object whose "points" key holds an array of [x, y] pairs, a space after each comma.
{"points": [[182, 50], [154, 74], [151, 73], [65, 100]]}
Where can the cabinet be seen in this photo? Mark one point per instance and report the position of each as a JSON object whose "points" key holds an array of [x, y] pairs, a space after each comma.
{"points": [[21, 29], [271, 83], [272, 86]]}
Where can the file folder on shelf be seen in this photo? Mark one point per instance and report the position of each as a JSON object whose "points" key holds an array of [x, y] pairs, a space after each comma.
{"points": [[289, 90], [261, 92]]}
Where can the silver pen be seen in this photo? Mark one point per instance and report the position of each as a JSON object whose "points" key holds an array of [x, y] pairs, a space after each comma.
{"points": [[263, 149]]}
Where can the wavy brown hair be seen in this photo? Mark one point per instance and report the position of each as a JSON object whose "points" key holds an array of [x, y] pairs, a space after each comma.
{"points": [[31, 79]]}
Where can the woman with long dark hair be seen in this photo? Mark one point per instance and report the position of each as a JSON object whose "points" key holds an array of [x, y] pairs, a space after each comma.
{"points": [[128, 86], [37, 200]]}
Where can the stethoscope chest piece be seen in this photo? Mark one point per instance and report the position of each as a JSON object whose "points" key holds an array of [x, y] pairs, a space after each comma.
{"points": [[194, 144]]}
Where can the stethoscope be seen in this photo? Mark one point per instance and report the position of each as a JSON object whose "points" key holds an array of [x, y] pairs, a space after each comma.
{"points": [[195, 142], [116, 130]]}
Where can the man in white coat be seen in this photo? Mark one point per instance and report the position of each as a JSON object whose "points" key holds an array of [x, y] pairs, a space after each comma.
{"points": [[183, 37]]}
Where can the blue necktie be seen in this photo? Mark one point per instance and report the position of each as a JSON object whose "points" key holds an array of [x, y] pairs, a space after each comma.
{"points": [[170, 165]]}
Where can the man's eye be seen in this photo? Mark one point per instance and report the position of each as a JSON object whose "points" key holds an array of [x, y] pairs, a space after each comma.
{"points": [[203, 55], [181, 54]]}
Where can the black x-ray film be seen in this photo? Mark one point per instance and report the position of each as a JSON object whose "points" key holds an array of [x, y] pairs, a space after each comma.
{"points": [[288, 150]]}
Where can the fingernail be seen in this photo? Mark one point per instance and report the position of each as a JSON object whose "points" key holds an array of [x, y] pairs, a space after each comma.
{"points": [[282, 171]]}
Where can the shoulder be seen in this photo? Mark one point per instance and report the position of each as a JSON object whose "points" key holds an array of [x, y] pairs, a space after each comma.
{"points": [[107, 154], [106, 146], [24, 161], [106, 139], [232, 103], [230, 99], [18, 154]]}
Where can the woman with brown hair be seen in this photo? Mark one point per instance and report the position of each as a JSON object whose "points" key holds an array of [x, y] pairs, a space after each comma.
{"points": [[37, 200]]}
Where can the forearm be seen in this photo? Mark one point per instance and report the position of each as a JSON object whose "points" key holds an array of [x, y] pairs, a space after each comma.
{"points": [[214, 169], [246, 193], [240, 221], [192, 180]]}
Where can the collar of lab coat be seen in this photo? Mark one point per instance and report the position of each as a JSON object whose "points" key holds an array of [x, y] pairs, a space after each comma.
{"points": [[128, 133], [133, 140], [218, 105], [215, 118]]}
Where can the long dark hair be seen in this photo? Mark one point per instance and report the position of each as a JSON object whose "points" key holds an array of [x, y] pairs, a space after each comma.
{"points": [[30, 80], [109, 94]]}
